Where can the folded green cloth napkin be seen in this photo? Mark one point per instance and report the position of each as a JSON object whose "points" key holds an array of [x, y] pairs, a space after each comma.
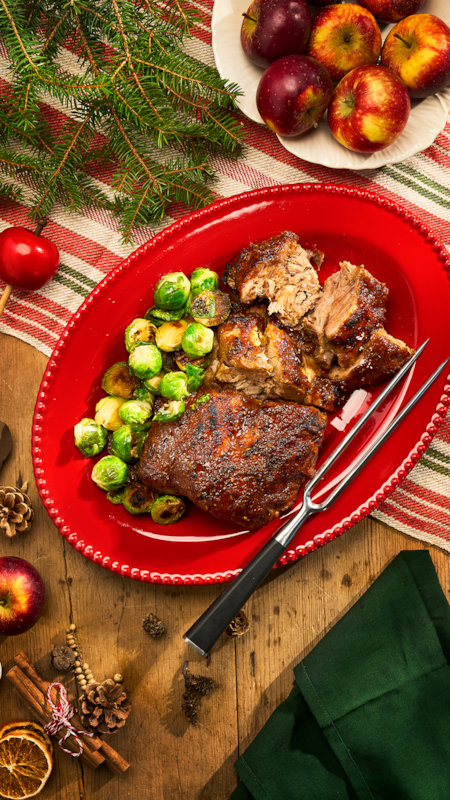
{"points": [[369, 715]]}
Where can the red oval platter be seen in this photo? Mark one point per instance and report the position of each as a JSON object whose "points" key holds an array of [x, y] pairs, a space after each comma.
{"points": [[347, 224]]}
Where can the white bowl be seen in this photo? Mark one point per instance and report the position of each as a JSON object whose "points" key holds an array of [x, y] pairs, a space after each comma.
{"points": [[427, 118]]}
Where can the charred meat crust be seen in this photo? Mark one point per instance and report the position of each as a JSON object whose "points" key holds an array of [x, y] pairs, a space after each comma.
{"points": [[238, 458], [382, 356]]}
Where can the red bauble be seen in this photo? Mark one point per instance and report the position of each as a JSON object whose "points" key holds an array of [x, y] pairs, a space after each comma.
{"points": [[27, 260]]}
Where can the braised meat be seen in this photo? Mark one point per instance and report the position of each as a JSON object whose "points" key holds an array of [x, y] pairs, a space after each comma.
{"points": [[353, 304], [320, 356], [238, 458], [243, 451], [242, 357], [381, 356], [263, 359], [280, 270], [296, 376]]}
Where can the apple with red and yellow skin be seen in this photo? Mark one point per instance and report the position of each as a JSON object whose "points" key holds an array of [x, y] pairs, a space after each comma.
{"points": [[22, 595], [275, 28], [344, 37], [418, 51], [293, 94], [369, 109], [392, 10]]}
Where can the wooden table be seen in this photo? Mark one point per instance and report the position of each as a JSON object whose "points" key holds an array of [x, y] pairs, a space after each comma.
{"points": [[170, 758]]}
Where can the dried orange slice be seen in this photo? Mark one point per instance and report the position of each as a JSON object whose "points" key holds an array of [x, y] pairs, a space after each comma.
{"points": [[25, 765], [28, 725]]}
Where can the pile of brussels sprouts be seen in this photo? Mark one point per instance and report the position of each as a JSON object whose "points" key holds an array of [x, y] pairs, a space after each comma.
{"points": [[169, 349]]}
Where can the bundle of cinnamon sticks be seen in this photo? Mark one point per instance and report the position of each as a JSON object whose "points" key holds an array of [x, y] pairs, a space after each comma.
{"points": [[33, 689]]}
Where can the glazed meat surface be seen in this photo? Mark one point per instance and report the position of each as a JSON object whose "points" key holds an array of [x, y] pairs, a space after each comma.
{"points": [[236, 457], [382, 356], [295, 374], [263, 358]]}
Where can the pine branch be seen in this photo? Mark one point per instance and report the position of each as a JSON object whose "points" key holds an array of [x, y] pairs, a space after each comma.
{"points": [[136, 102]]}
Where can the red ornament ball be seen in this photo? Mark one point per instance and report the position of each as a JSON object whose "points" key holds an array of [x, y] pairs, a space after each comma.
{"points": [[27, 260]]}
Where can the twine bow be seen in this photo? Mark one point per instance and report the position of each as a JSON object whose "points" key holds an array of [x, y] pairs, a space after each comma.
{"points": [[62, 714]]}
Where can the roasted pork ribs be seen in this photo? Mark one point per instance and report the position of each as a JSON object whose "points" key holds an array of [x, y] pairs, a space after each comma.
{"points": [[238, 458]]}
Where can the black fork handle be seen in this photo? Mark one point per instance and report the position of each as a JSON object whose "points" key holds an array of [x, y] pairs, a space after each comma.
{"points": [[204, 633]]}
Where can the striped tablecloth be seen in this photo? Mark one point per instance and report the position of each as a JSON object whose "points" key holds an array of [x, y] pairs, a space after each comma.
{"points": [[90, 246]]}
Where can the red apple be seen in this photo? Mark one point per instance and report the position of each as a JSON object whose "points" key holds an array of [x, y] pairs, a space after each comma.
{"points": [[369, 109], [275, 28], [22, 595], [293, 94], [27, 260], [418, 51], [344, 37], [392, 10]]}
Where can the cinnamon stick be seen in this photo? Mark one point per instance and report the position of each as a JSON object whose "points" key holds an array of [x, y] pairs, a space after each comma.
{"points": [[112, 758], [37, 703], [90, 743]]}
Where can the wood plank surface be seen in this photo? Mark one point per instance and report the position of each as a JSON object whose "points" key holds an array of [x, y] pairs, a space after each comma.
{"points": [[170, 758]]}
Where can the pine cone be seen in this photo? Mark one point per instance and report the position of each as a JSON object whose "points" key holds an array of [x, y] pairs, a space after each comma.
{"points": [[16, 513], [104, 707], [238, 625]]}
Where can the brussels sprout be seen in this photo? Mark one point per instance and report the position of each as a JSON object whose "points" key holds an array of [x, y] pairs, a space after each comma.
{"points": [[194, 376], [170, 411], [107, 412], [119, 382], [167, 509], [145, 361], [172, 291], [182, 360], [174, 385], [110, 473], [140, 330], [127, 444], [169, 336], [203, 278], [157, 315], [209, 307], [90, 437], [197, 340], [139, 498], [143, 394], [115, 496], [137, 414], [152, 384]]}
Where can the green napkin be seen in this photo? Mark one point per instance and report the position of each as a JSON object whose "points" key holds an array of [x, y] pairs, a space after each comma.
{"points": [[369, 715]]}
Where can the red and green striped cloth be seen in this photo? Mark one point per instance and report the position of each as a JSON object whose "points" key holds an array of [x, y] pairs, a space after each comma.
{"points": [[90, 246]]}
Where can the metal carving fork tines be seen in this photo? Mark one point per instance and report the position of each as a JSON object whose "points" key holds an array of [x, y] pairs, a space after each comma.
{"points": [[205, 632]]}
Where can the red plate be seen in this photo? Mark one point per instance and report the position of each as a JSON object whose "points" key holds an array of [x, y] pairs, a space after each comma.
{"points": [[346, 224]]}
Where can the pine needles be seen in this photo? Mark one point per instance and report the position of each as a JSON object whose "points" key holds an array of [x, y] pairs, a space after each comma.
{"points": [[131, 100]]}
